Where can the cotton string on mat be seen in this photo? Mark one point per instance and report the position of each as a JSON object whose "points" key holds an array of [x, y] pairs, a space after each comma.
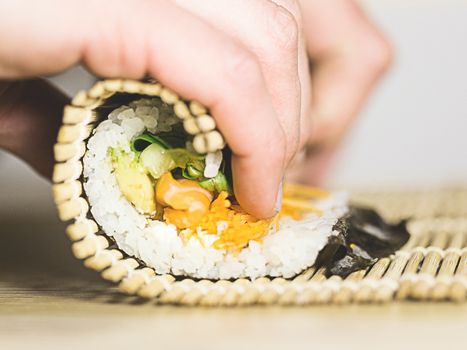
{"points": [[431, 266]]}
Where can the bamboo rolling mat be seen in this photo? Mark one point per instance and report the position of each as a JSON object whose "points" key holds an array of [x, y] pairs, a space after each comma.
{"points": [[432, 265], [36, 262]]}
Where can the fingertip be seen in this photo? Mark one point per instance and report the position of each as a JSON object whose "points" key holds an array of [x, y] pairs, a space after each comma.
{"points": [[257, 206], [258, 191]]}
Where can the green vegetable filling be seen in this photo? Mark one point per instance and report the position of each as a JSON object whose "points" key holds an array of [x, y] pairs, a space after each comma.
{"points": [[164, 152]]}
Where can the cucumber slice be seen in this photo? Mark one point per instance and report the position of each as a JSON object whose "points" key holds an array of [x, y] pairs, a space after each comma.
{"points": [[218, 183], [156, 160], [140, 143]]}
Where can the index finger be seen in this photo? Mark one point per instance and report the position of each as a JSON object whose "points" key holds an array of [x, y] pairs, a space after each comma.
{"points": [[204, 64]]}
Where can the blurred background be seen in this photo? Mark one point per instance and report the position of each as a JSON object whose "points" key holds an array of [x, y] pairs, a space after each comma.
{"points": [[412, 131], [410, 134]]}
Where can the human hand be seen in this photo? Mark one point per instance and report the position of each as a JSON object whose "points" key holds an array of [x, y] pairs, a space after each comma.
{"points": [[244, 69], [348, 55], [249, 56]]}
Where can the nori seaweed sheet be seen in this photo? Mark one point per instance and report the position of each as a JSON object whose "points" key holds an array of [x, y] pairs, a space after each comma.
{"points": [[363, 238]]}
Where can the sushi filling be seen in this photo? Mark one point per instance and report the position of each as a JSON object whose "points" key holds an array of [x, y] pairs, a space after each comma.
{"points": [[185, 189], [165, 179], [173, 208]]}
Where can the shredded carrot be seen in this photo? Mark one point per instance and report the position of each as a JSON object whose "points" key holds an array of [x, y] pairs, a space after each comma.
{"points": [[240, 227], [235, 228]]}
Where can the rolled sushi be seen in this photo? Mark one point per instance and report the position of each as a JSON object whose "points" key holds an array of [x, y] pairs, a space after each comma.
{"points": [[156, 176]]}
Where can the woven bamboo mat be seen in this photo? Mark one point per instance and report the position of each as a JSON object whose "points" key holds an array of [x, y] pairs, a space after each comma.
{"points": [[432, 265]]}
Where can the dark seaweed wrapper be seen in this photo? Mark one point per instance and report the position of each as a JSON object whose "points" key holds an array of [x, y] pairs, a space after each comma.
{"points": [[363, 238]]}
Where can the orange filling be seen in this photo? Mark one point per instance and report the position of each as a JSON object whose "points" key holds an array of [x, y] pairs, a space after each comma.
{"points": [[188, 206], [185, 200], [296, 200], [236, 227]]}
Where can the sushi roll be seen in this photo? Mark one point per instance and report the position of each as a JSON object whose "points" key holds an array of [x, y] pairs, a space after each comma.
{"points": [[154, 180]]}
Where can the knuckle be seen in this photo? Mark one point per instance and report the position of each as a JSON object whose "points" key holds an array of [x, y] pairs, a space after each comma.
{"points": [[379, 54], [284, 29], [241, 67]]}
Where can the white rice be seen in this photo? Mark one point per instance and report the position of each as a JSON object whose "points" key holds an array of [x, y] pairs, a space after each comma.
{"points": [[284, 253]]}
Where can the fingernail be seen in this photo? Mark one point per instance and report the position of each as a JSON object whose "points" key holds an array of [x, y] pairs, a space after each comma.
{"points": [[278, 205]]}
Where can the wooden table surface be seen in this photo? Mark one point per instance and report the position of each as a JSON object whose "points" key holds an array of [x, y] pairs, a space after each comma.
{"points": [[48, 300]]}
